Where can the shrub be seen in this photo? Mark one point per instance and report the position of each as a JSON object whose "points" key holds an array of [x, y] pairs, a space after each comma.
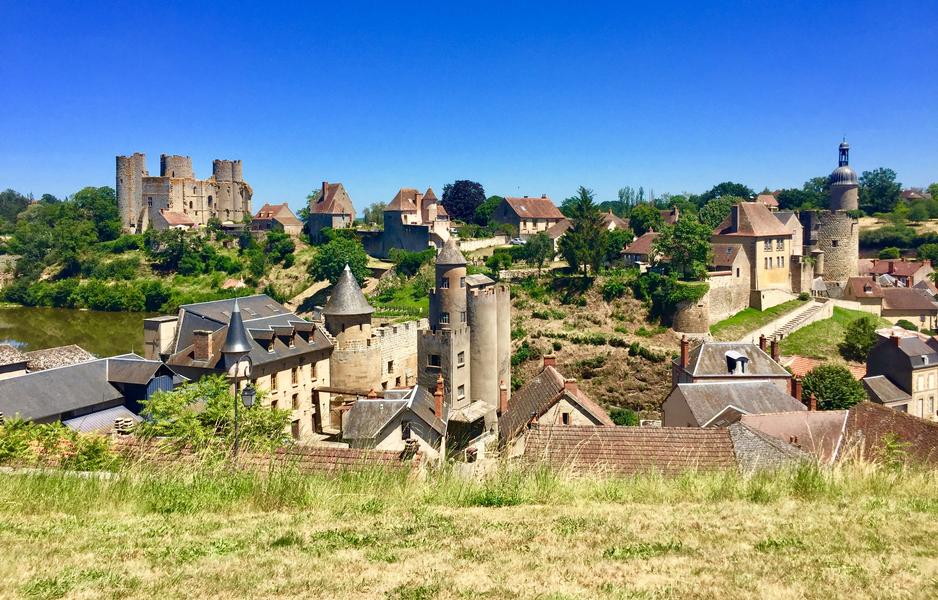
{"points": [[804, 296], [906, 325], [890, 252], [614, 287], [557, 346], [858, 339], [624, 416], [524, 353], [833, 386]]}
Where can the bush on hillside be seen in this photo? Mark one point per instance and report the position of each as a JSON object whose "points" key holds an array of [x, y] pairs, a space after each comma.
{"points": [[859, 339], [909, 325], [833, 386]]}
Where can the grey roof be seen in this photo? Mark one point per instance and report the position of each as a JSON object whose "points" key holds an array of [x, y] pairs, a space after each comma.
{"points": [[478, 280], [450, 254], [10, 355], [131, 369], [844, 176], [707, 401], [100, 421], [45, 395], [709, 359], [880, 389], [347, 297], [237, 340], [369, 416], [60, 356]]}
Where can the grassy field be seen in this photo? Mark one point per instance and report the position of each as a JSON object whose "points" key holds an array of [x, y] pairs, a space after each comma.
{"points": [[857, 532], [750, 319], [821, 338]]}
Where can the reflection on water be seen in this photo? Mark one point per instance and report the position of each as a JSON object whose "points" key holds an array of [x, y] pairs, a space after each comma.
{"points": [[101, 333]]}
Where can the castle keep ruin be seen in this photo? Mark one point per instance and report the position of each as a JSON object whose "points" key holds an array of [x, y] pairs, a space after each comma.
{"points": [[176, 198]]}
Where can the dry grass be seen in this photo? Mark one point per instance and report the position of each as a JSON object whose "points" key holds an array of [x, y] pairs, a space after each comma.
{"points": [[859, 532]]}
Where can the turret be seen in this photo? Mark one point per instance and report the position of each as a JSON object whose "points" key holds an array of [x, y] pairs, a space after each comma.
{"points": [[172, 165], [844, 186], [129, 186], [448, 299], [347, 312]]}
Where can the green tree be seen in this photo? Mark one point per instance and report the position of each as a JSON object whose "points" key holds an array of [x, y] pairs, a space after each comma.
{"points": [[727, 188], [879, 191], [374, 213], [483, 214], [644, 218], [715, 212], [833, 386], [12, 203], [461, 199], [858, 339], [100, 205], [686, 247], [330, 260], [616, 241], [624, 416], [538, 250], [583, 246], [928, 252], [408, 263], [918, 212], [795, 199], [278, 246], [891, 252], [933, 191], [820, 186]]}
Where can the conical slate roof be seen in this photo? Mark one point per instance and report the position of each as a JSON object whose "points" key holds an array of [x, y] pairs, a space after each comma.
{"points": [[237, 340], [450, 254], [347, 298]]}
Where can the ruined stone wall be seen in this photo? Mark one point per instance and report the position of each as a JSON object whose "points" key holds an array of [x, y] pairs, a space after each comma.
{"points": [[398, 344]]}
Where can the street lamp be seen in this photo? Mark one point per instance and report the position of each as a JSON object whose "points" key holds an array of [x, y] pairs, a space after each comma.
{"points": [[236, 352]]}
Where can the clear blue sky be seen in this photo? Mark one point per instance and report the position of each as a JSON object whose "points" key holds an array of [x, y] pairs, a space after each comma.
{"points": [[526, 99]]}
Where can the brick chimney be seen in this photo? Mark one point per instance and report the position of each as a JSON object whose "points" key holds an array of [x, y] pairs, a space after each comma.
{"points": [[438, 398], [796, 388], [201, 344], [543, 195], [775, 353], [892, 266], [895, 339], [812, 402], [762, 341], [325, 186], [502, 398], [684, 346], [549, 361], [569, 384], [372, 393]]}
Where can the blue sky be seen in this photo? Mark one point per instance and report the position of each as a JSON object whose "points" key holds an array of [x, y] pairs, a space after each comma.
{"points": [[525, 98]]}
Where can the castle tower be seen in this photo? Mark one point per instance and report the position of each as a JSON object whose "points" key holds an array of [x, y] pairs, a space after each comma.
{"points": [[844, 186], [355, 364], [488, 305], [178, 167], [129, 185], [448, 299]]}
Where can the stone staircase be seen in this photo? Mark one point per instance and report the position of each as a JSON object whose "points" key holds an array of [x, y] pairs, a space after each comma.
{"points": [[797, 321]]}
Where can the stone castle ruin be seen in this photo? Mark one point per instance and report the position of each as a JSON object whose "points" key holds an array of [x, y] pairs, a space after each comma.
{"points": [[176, 198]]}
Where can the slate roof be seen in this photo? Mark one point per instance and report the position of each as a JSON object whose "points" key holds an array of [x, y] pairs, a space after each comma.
{"points": [[864, 287], [927, 287], [627, 450], [539, 394], [724, 255], [333, 201], [60, 356], [540, 207], [921, 350], [908, 299], [277, 212], [404, 201], [708, 401], [369, 416], [347, 297], [755, 220], [132, 369], [450, 254], [880, 389], [895, 266], [709, 359], [642, 245], [100, 421], [10, 355]]}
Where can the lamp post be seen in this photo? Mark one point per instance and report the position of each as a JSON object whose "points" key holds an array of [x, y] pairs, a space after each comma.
{"points": [[236, 354]]}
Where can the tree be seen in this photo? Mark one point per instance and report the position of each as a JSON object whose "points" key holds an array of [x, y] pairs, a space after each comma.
{"points": [[833, 386], [100, 206], [879, 191], [12, 203], [933, 191], [461, 199], [686, 247], [374, 213], [918, 212], [616, 241], [928, 252], [644, 218], [538, 250], [715, 212], [313, 197], [891, 252], [583, 246], [821, 186], [330, 260], [727, 188], [858, 339], [794, 199], [624, 416], [483, 214]]}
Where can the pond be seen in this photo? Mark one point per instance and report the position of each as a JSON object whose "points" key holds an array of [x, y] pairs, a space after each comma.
{"points": [[101, 333]]}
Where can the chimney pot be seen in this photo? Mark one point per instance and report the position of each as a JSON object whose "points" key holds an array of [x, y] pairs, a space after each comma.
{"points": [[543, 195], [372, 393], [812, 402], [796, 388], [502, 398], [762, 342], [550, 360], [684, 347], [775, 353]]}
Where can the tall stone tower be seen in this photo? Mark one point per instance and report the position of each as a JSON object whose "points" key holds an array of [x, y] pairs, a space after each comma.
{"points": [[489, 309], [443, 349], [129, 185], [355, 364]]}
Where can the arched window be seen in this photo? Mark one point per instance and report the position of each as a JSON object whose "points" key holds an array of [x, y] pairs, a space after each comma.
{"points": [[210, 202]]}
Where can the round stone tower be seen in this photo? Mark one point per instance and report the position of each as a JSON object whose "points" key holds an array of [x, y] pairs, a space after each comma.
{"points": [[223, 170], [448, 299], [129, 185], [172, 165], [844, 186], [482, 305], [355, 364]]}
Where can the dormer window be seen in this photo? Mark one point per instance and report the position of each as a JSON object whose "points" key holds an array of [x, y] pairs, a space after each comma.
{"points": [[736, 363]]}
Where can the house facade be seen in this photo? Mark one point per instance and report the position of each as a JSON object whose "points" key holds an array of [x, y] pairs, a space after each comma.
{"points": [[902, 373], [529, 215], [277, 217], [333, 209]]}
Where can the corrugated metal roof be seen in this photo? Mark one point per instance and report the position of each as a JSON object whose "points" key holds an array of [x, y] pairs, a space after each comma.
{"points": [[101, 421]]}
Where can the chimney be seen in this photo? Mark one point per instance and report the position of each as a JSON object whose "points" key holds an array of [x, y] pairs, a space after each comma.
{"points": [[684, 345], [325, 186], [372, 393], [796, 388], [543, 195], [775, 353], [438, 398], [502, 398], [549, 361], [569, 384], [202, 344], [525, 196], [892, 266], [895, 339], [812, 402]]}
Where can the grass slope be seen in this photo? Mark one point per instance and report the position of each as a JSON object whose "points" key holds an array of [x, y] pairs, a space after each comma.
{"points": [[750, 319], [857, 532], [822, 338]]}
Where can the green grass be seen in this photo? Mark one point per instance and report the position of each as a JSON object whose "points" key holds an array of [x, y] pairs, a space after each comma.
{"points": [[822, 338], [856, 531], [403, 302], [750, 319]]}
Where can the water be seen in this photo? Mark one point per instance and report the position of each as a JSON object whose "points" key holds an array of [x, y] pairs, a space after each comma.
{"points": [[101, 333]]}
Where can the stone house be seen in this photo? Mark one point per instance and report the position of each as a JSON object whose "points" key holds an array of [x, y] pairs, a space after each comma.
{"points": [[400, 418], [332, 209], [167, 219], [721, 403], [548, 398], [277, 217], [729, 361], [289, 356], [528, 215], [907, 272], [910, 304], [902, 372], [412, 222], [867, 292], [640, 251]]}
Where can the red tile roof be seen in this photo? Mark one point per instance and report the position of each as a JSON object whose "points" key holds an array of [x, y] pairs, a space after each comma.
{"points": [[176, 218], [767, 199], [863, 287], [907, 299], [334, 200], [724, 255], [625, 450], [802, 365], [558, 229], [404, 201], [754, 220], [898, 267], [670, 215], [642, 246], [277, 212], [534, 208]]}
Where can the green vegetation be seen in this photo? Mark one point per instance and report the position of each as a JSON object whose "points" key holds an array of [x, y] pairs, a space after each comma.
{"points": [[750, 319], [714, 212], [890, 252], [624, 416], [909, 325], [859, 337], [583, 246], [332, 257], [399, 296], [822, 339], [664, 293], [461, 199], [644, 218], [685, 248], [833, 386]]}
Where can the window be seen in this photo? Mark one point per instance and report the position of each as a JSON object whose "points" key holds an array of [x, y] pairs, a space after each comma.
{"points": [[405, 430], [460, 359], [737, 271], [273, 381], [931, 407], [781, 261], [149, 200], [768, 262], [390, 366], [462, 317], [462, 282], [565, 418], [920, 383], [461, 392], [780, 244], [397, 381], [295, 375], [835, 243], [767, 245], [444, 283], [444, 318], [273, 404], [434, 360], [296, 401], [295, 429]]}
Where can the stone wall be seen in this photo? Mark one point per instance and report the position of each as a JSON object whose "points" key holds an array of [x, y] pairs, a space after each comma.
{"points": [[448, 344], [483, 344], [479, 244], [728, 294], [692, 317], [398, 344], [837, 234]]}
